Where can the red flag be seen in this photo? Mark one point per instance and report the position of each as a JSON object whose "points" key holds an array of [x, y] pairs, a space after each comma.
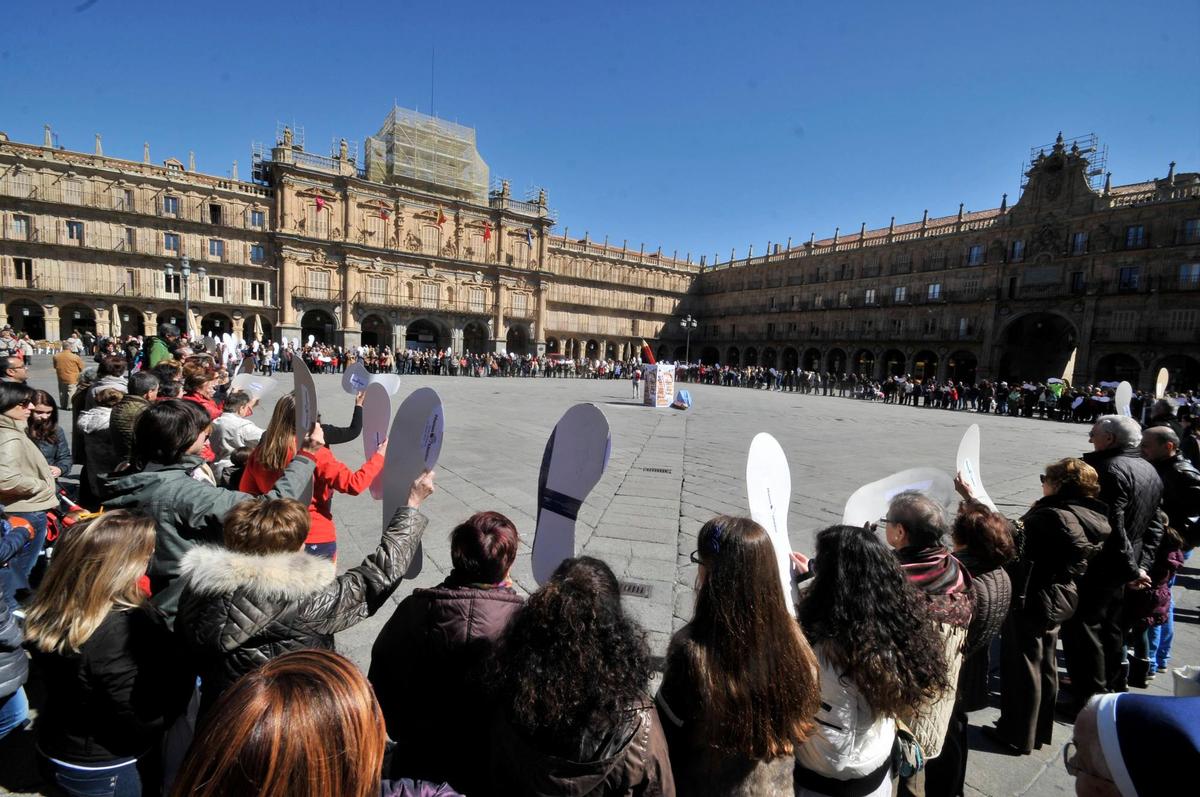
{"points": [[441, 216], [320, 204], [383, 214], [647, 355], [487, 231]]}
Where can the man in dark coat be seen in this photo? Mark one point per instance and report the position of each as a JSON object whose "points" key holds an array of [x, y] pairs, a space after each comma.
{"points": [[1093, 640], [1181, 480]]}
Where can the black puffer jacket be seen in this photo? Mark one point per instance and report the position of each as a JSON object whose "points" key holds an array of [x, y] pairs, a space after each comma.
{"points": [[239, 610], [1131, 488], [992, 590], [14, 667]]}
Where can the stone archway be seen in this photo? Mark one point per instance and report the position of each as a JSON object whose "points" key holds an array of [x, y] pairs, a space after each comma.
{"points": [[769, 358], [733, 357], [257, 321], [864, 363], [215, 325], [893, 363], [1036, 346], [27, 317], [376, 331], [423, 334], [76, 318], [475, 337], [551, 345], [319, 325], [129, 321], [1183, 372], [1117, 367], [835, 362], [171, 315], [962, 366], [812, 360], [517, 340], [662, 353], [924, 365], [681, 354], [709, 355], [751, 356], [791, 359]]}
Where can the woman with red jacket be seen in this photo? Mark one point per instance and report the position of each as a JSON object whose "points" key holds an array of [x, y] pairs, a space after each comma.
{"points": [[276, 449], [199, 384]]}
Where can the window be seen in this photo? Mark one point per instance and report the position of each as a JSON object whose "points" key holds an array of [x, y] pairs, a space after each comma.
{"points": [[318, 282], [771, 330], [843, 299], [1189, 275], [377, 288], [257, 218], [130, 239], [869, 296], [429, 293], [130, 280], [1079, 243], [72, 192], [975, 255], [771, 303], [1129, 278], [1018, 251], [1078, 283], [214, 214], [478, 299], [1181, 320], [1191, 230], [216, 248], [970, 284], [258, 254], [847, 272], [818, 301], [900, 293], [171, 241], [1135, 236], [934, 291], [931, 326], [20, 228], [75, 231], [1123, 319], [648, 304], [258, 291], [216, 287], [520, 303], [122, 199], [23, 270], [964, 327], [170, 205], [171, 283], [431, 239]]}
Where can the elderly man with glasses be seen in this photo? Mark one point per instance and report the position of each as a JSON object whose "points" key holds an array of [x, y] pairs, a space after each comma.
{"points": [[1094, 639], [13, 369]]}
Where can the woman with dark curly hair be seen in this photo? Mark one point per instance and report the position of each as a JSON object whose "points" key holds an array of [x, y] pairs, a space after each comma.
{"points": [[570, 676], [740, 741], [879, 653]]}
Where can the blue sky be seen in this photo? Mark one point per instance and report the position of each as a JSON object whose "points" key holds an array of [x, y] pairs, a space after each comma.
{"points": [[692, 125]]}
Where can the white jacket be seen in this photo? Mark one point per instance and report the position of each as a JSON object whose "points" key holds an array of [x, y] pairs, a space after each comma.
{"points": [[230, 432], [851, 741]]}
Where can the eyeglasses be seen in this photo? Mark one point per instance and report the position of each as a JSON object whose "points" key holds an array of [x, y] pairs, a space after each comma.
{"points": [[880, 524], [695, 557], [1042, 478]]}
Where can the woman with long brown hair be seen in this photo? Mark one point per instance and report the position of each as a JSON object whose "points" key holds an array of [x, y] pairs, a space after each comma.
{"points": [[106, 657], [275, 450], [304, 724], [43, 429], [737, 741]]}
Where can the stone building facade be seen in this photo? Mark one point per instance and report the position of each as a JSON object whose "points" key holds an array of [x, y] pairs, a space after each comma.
{"points": [[1091, 284], [1094, 285]]}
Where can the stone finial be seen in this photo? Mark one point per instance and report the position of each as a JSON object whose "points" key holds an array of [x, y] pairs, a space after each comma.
{"points": [[960, 210], [862, 231], [287, 136], [145, 152], [505, 189], [1058, 142], [812, 239], [541, 200], [925, 218], [47, 137], [1107, 183], [892, 225], [1003, 203], [836, 232], [1171, 174], [191, 161], [234, 173], [789, 244], [343, 150], [99, 148], [750, 251]]}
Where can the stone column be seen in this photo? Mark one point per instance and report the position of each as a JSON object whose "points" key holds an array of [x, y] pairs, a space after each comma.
{"points": [[53, 330], [289, 277], [456, 340], [149, 322], [399, 333], [499, 334], [541, 320], [239, 326], [349, 331]]}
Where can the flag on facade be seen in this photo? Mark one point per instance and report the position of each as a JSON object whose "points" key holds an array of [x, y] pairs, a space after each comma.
{"points": [[487, 231], [529, 236], [320, 204], [383, 212], [441, 219]]}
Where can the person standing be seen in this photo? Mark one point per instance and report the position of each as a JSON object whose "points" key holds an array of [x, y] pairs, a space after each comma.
{"points": [[67, 367], [27, 486], [1093, 639]]}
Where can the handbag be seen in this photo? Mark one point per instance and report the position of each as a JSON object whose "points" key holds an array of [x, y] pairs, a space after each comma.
{"points": [[907, 757]]}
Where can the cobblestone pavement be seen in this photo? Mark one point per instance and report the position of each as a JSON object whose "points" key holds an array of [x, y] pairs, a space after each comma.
{"points": [[670, 471]]}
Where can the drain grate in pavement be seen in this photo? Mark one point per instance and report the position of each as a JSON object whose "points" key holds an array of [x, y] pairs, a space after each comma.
{"points": [[636, 588], [657, 470]]}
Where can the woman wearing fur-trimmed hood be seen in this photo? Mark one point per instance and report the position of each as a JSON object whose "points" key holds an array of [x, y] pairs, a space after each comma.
{"points": [[261, 595]]}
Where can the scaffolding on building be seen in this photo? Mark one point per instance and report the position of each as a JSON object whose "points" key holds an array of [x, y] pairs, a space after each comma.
{"points": [[426, 152], [1088, 146]]}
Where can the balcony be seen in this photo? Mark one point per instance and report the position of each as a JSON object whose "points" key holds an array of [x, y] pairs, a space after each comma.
{"points": [[145, 284], [101, 237], [395, 299]]}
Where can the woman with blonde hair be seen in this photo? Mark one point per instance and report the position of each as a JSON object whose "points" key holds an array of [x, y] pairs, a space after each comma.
{"points": [[112, 679], [276, 449], [727, 741], [304, 724]]}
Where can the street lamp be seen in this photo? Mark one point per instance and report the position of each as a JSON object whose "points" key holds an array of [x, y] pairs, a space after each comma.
{"points": [[688, 325], [185, 273]]}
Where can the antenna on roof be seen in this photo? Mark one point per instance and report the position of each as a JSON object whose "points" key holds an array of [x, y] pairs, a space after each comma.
{"points": [[432, 71]]}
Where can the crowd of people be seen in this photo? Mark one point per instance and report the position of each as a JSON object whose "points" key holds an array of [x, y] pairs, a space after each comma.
{"points": [[182, 632]]}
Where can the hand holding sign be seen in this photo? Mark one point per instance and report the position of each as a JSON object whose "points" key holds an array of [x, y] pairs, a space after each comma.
{"points": [[966, 465], [377, 416], [415, 445], [356, 378]]}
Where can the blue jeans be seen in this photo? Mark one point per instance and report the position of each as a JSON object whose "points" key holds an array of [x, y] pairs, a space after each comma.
{"points": [[20, 566], [14, 710], [122, 781]]}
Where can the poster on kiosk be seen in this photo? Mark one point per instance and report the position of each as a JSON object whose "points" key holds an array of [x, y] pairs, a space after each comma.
{"points": [[659, 385]]}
